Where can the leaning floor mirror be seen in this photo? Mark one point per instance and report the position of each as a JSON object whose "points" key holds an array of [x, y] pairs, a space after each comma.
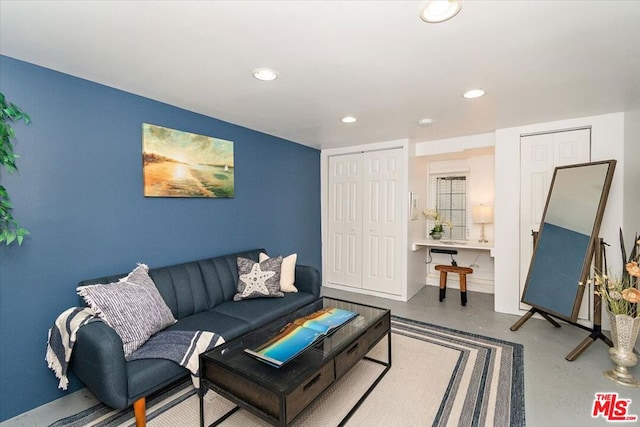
{"points": [[564, 248]]}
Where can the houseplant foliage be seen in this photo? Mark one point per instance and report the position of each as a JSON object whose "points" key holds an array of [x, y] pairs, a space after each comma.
{"points": [[10, 231]]}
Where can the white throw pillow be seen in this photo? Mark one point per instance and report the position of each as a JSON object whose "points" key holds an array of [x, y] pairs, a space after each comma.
{"points": [[287, 272]]}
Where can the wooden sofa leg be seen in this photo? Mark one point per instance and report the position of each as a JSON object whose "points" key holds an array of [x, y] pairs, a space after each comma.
{"points": [[139, 410]]}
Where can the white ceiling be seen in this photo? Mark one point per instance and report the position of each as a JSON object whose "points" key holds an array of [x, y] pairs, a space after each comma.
{"points": [[538, 61]]}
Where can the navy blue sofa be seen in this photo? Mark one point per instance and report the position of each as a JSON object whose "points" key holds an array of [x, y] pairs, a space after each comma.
{"points": [[200, 295]]}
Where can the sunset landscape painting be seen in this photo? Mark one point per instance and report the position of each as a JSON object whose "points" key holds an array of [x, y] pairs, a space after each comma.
{"points": [[183, 164]]}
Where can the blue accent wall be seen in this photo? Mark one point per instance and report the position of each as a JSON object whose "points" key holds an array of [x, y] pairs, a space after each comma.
{"points": [[79, 192]]}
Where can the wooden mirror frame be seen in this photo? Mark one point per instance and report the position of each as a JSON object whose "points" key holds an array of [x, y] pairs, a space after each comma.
{"points": [[543, 288]]}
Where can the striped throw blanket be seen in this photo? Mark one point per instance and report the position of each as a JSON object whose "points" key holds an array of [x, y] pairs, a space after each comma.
{"points": [[181, 347], [62, 337]]}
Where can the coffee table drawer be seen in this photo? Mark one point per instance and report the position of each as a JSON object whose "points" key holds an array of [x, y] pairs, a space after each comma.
{"points": [[378, 330], [225, 381], [351, 356], [301, 397]]}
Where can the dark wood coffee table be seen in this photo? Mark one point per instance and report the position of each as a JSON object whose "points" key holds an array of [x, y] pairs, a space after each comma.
{"points": [[280, 395]]}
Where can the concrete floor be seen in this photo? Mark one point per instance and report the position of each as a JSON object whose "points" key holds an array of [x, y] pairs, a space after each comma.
{"points": [[557, 392]]}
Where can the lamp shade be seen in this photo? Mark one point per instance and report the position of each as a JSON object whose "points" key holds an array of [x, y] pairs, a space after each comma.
{"points": [[482, 214]]}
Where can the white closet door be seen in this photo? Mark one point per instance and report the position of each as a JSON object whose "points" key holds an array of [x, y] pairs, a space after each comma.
{"points": [[382, 221], [539, 156], [345, 220]]}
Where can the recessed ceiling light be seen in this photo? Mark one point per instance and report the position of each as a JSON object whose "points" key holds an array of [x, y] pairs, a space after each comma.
{"points": [[473, 93], [265, 74], [425, 122], [348, 119], [440, 10]]}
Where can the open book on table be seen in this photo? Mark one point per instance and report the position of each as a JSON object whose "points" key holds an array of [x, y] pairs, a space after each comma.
{"points": [[299, 335]]}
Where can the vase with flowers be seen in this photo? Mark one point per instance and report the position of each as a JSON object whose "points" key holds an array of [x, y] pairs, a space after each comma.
{"points": [[437, 229], [621, 298]]}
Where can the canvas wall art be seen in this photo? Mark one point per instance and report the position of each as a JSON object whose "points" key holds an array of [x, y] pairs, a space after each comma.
{"points": [[183, 164]]}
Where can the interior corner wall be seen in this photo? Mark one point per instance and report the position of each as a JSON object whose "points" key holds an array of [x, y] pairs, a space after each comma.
{"points": [[418, 184], [631, 224], [607, 142], [79, 193]]}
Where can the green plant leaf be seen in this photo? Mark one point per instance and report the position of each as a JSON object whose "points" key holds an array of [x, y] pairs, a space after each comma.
{"points": [[20, 234], [10, 231], [12, 237]]}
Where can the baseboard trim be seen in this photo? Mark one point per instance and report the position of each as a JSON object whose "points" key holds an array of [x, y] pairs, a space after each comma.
{"points": [[364, 291]]}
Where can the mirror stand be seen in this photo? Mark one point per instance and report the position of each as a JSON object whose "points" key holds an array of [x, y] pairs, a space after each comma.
{"points": [[528, 315], [596, 331]]}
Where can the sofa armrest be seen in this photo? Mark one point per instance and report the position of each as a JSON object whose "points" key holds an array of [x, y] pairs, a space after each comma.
{"points": [[308, 280], [98, 361]]}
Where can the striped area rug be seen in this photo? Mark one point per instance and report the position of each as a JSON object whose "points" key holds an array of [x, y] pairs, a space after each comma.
{"points": [[439, 377]]}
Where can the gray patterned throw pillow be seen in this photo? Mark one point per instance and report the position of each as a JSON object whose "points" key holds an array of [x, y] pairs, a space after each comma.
{"points": [[133, 307], [258, 279]]}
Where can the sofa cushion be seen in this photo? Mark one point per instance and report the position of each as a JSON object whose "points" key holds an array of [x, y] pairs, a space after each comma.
{"points": [[258, 279], [259, 311], [133, 307], [287, 272], [220, 275], [182, 287], [228, 326]]}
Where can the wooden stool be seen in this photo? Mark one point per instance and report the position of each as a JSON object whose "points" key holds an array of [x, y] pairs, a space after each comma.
{"points": [[462, 271]]}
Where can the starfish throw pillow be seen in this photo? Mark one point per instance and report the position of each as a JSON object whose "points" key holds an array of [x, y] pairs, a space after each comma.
{"points": [[258, 279]]}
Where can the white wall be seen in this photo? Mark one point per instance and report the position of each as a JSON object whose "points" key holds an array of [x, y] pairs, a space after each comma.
{"points": [[481, 191], [455, 145], [607, 142], [417, 183], [631, 224]]}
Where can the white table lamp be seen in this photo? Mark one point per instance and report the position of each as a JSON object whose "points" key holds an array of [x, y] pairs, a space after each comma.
{"points": [[482, 215]]}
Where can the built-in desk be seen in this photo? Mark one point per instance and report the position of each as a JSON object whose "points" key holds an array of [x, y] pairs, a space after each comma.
{"points": [[471, 252], [457, 244]]}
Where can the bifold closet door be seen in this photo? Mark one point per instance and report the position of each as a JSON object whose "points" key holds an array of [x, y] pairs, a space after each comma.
{"points": [[344, 254], [382, 221], [539, 156]]}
